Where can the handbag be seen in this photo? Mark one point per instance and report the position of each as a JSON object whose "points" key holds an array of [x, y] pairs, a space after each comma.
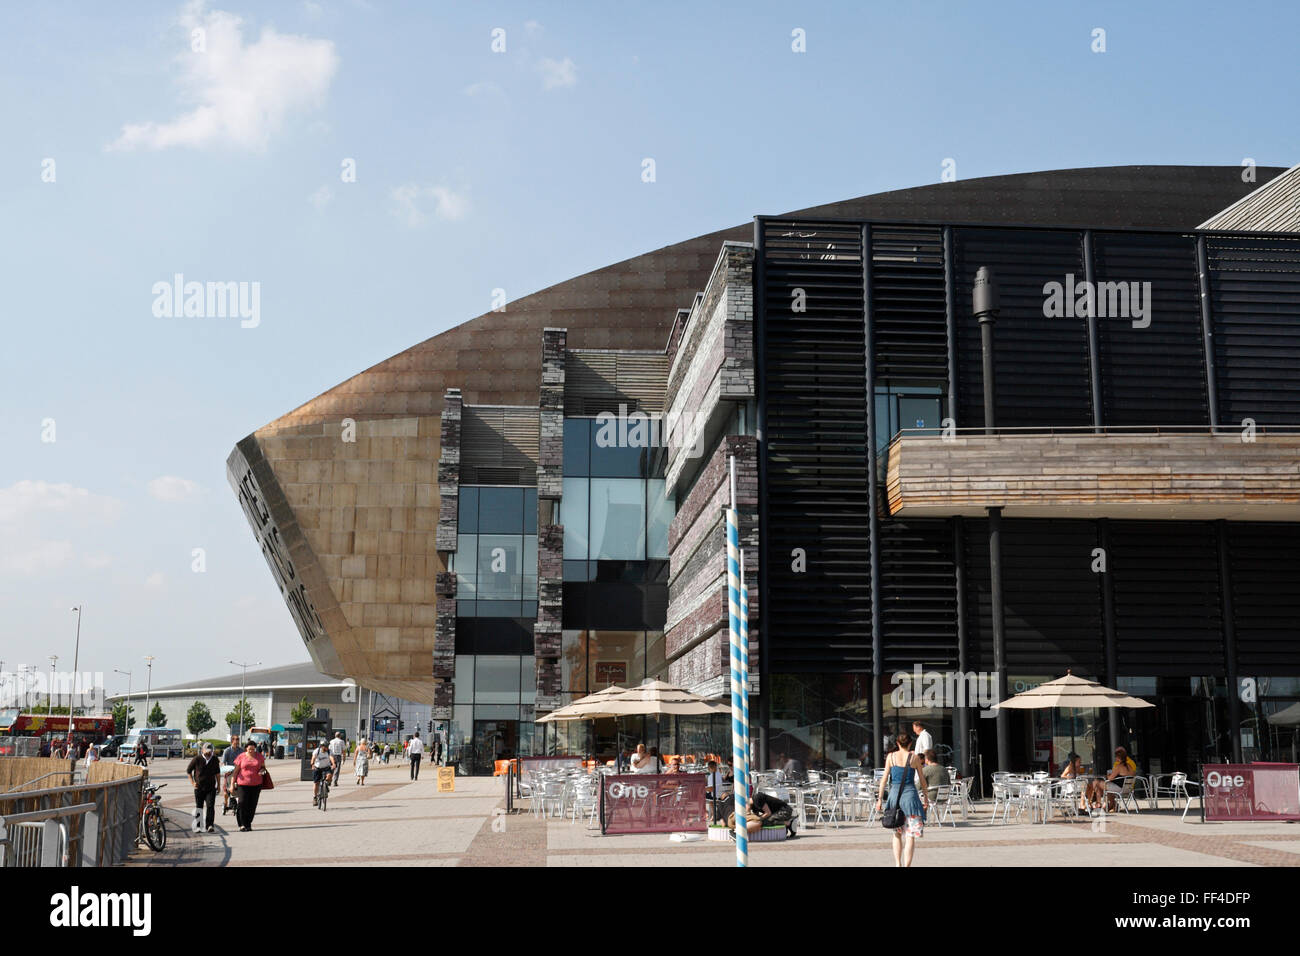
{"points": [[894, 817], [267, 782]]}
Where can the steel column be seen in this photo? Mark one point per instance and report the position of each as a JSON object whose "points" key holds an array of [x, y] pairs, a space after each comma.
{"points": [[873, 524], [760, 390], [1003, 718], [1094, 333], [1229, 640], [1207, 332]]}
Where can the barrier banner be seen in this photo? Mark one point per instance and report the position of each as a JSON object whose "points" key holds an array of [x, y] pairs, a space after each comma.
{"points": [[1255, 791], [446, 779], [653, 803]]}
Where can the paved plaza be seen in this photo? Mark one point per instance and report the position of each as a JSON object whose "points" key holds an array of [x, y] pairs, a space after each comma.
{"points": [[394, 822]]}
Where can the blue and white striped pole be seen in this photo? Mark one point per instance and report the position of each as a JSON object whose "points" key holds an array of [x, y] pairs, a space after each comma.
{"points": [[737, 614]]}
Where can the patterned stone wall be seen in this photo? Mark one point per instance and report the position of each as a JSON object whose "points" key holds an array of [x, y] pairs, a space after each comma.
{"points": [[547, 636], [697, 634]]}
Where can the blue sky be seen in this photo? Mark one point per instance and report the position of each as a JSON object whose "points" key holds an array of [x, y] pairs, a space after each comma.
{"points": [[475, 170]]}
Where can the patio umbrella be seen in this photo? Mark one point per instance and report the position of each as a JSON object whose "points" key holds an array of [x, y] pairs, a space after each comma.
{"points": [[1070, 692], [580, 709]]}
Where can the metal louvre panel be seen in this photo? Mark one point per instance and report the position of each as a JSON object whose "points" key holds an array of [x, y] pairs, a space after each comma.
{"points": [[1042, 363], [1168, 612], [1255, 298], [918, 601], [907, 298], [818, 501], [1051, 597], [498, 445], [596, 382], [1265, 561], [1153, 375]]}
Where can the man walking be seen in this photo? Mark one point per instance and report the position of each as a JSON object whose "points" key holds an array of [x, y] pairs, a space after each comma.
{"points": [[338, 749], [415, 750], [228, 772], [203, 771], [924, 740]]}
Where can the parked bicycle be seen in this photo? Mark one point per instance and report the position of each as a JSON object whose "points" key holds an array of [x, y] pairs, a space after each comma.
{"points": [[153, 828]]}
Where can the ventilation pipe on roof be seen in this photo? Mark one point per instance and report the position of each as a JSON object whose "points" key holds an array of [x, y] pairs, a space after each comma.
{"points": [[985, 299]]}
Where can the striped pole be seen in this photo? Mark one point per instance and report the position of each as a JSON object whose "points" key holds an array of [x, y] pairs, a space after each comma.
{"points": [[737, 608]]}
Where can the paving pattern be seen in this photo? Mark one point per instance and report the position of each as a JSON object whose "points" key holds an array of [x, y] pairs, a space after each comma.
{"points": [[395, 822]]}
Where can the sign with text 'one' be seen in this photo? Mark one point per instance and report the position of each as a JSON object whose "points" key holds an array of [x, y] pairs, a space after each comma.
{"points": [[1255, 791]]}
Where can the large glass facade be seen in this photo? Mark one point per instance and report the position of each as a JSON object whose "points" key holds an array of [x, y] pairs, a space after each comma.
{"points": [[496, 552]]}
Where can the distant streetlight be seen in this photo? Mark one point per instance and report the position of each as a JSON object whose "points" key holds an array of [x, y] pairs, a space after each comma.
{"points": [[128, 698], [148, 687], [243, 685], [49, 701], [76, 660]]}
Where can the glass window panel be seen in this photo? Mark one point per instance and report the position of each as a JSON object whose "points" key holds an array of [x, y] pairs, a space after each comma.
{"points": [[460, 731], [499, 608], [464, 678], [609, 459], [528, 731], [500, 567], [661, 508], [615, 657], [573, 662], [484, 712], [528, 681], [467, 511], [577, 570], [919, 413], [530, 511], [466, 565], [577, 439], [530, 567], [529, 609], [618, 519], [501, 510], [496, 681], [573, 515], [654, 655]]}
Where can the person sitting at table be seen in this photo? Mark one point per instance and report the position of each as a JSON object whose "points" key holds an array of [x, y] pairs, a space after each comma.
{"points": [[1124, 767], [935, 775], [643, 761]]}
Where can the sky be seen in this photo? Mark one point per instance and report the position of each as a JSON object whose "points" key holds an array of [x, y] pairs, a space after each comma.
{"points": [[375, 171]]}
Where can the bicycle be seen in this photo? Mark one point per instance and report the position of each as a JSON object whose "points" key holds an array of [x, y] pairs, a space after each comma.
{"points": [[153, 827], [324, 791]]}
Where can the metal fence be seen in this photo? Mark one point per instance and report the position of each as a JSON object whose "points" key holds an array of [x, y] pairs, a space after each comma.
{"points": [[91, 824], [20, 746]]}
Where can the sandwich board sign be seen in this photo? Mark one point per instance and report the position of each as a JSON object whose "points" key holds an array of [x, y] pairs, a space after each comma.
{"points": [[446, 779]]}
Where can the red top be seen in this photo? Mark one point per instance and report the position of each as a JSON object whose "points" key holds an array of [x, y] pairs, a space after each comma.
{"points": [[248, 769]]}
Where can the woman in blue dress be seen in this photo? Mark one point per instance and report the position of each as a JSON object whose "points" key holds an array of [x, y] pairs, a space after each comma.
{"points": [[902, 768]]}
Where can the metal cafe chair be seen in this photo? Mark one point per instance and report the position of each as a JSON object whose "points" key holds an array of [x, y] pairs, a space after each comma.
{"points": [[1175, 789], [1125, 795]]}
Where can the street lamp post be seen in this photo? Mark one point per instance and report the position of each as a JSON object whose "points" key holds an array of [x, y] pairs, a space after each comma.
{"points": [[49, 700], [76, 660], [148, 687], [243, 691], [127, 721]]}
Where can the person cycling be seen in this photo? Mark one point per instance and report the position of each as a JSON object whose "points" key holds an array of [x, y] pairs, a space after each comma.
{"points": [[324, 766]]}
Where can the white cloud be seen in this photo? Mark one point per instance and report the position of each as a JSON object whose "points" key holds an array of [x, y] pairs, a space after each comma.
{"points": [[242, 93], [410, 203], [155, 581], [311, 9], [37, 557], [532, 27], [321, 197], [26, 499], [171, 489], [483, 88], [97, 561], [39, 521], [557, 74]]}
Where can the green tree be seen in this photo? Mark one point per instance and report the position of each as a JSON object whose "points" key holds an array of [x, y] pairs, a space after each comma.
{"points": [[199, 720], [156, 716], [123, 718], [302, 711], [46, 709], [241, 716]]}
